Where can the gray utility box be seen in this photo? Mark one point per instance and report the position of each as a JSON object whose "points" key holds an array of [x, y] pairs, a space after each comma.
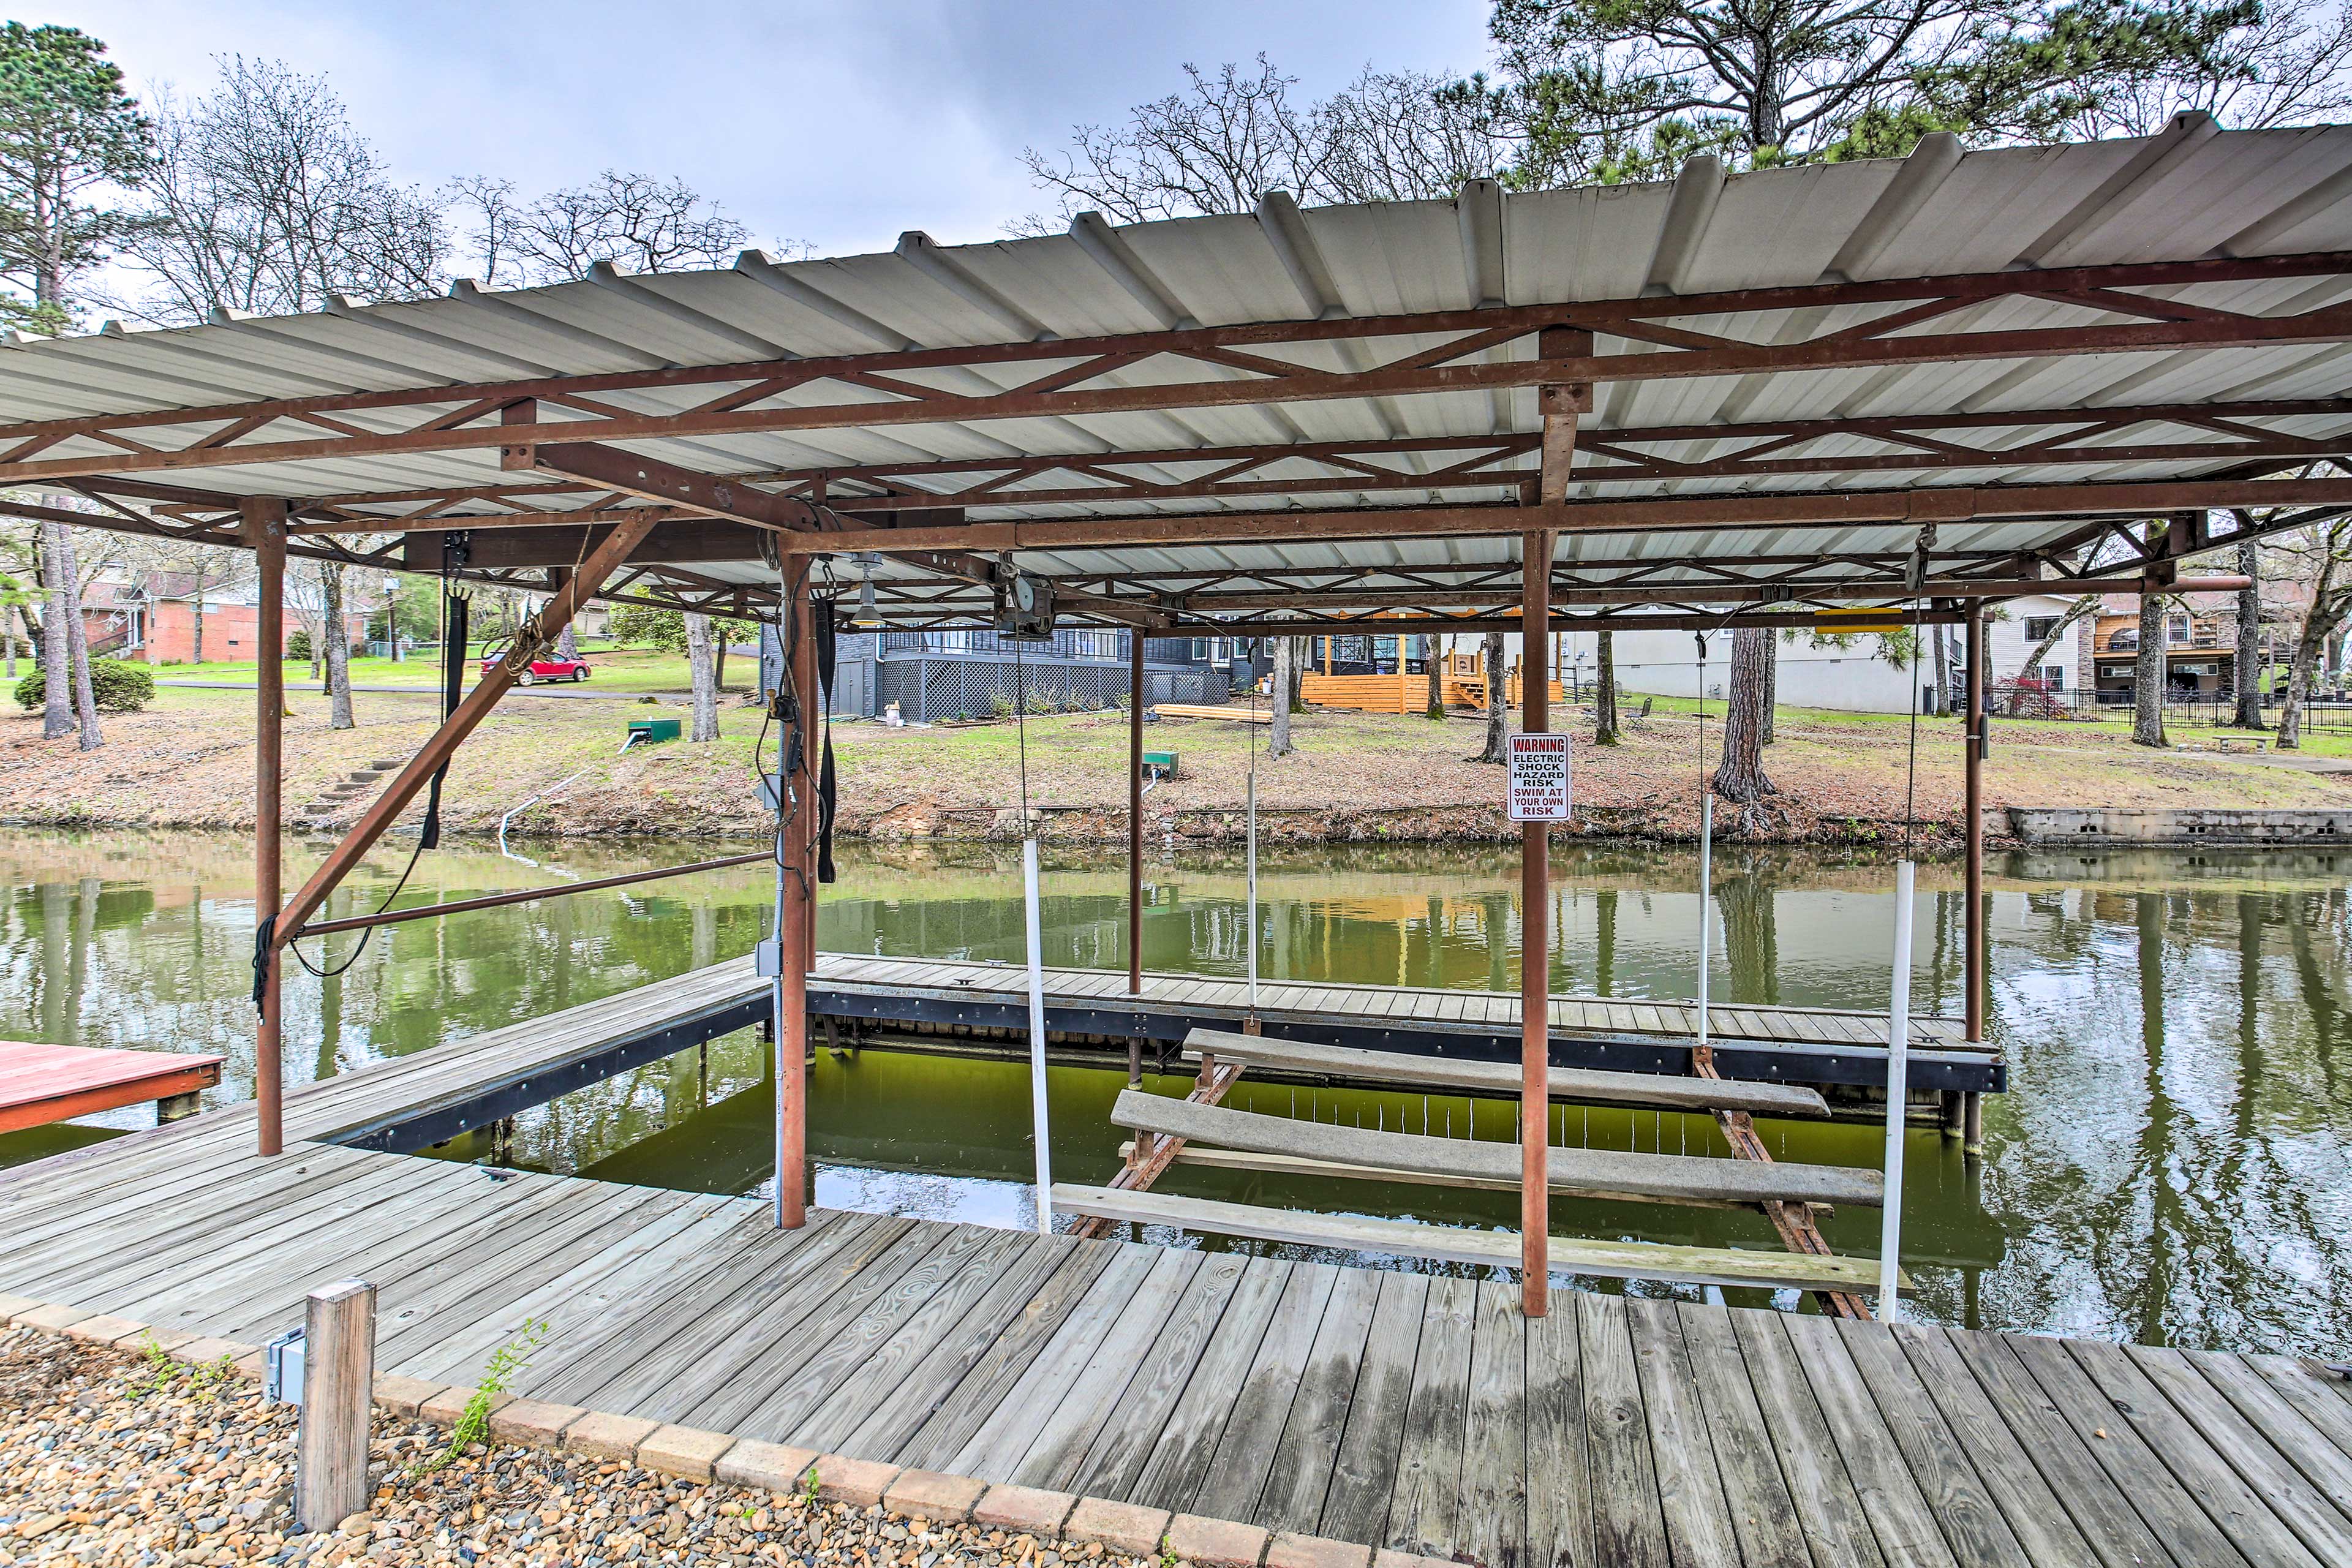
{"points": [[281, 1369]]}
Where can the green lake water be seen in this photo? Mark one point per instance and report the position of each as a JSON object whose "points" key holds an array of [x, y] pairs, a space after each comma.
{"points": [[2172, 1165]]}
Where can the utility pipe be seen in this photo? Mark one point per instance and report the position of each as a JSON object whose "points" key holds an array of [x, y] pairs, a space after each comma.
{"points": [[1037, 1110], [1899, 1047]]}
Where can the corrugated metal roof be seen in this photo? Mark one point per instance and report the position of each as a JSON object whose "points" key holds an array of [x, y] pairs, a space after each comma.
{"points": [[2193, 191]]}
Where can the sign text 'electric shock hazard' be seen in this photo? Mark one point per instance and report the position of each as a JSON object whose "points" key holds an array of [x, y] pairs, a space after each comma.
{"points": [[1540, 788]]}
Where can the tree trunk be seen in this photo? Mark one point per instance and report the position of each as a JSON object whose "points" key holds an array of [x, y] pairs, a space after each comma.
{"points": [[1498, 706], [199, 633], [1604, 688], [2147, 675], [702, 667], [338, 650], [1302, 659], [1772, 680], [68, 572], [1939, 677], [1279, 683], [2298, 692], [2247, 664], [717, 660], [1740, 777], [567, 643], [2039, 654], [57, 706], [1432, 661], [9, 614]]}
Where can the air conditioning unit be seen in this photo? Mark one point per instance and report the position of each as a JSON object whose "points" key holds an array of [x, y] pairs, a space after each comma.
{"points": [[1024, 608]]}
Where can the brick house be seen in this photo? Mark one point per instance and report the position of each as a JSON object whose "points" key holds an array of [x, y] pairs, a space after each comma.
{"points": [[154, 621]]}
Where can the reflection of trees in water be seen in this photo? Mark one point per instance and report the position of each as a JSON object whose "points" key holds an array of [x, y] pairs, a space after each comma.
{"points": [[1744, 893]]}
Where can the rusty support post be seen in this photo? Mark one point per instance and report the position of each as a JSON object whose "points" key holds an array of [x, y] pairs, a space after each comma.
{"points": [[1535, 951], [1134, 841], [263, 523], [1972, 963], [795, 923]]}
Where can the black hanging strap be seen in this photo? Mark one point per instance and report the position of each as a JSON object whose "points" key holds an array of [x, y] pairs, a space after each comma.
{"points": [[454, 547], [826, 783]]}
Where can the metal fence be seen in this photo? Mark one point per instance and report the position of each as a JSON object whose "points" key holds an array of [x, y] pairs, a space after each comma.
{"points": [[949, 688], [2327, 711]]}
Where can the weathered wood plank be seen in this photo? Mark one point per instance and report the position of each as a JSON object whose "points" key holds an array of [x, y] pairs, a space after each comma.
{"points": [[2263, 1449], [1899, 1516], [1972, 1522], [2171, 1514], [1363, 1472], [1299, 1471], [1083, 1398], [1503, 1078], [1491, 1517], [2035, 1514], [919, 1370], [1587, 1172], [1763, 1514], [1423, 1506], [1690, 1487], [2243, 1514], [1137, 1415], [1559, 1478], [1180, 1459], [1236, 1472], [1573, 1254], [1628, 1524], [1832, 1516]]}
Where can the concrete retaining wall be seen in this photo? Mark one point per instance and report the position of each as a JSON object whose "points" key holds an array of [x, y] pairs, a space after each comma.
{"points": [[2051, 826]]}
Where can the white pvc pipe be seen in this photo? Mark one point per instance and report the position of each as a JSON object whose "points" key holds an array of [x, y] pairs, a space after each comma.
{"points": [[1252, 893], [1898, 1046], [1037, 1039], [1706, 894]]}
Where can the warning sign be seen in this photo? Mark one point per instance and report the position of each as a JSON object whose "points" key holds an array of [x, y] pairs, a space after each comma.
{"points": [[1539, 787]]}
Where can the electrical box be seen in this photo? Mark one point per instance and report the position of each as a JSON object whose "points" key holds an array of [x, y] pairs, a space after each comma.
{"points": [[281, 1369], [1159, 764], [1024, 608], [772, 659], [646, 732]]}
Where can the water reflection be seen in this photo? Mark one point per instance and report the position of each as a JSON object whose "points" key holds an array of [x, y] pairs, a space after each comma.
{"points": [[2170, 1167]]}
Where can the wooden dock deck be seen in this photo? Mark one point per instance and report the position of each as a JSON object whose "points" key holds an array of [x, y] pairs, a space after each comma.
{"points": [[40, 1083], [1409, 1409], [1405, 1409]]}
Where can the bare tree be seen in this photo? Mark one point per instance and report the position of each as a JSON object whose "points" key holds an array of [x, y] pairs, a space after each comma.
{"points": [[67, 647], [1281, 687], [702, 667], [2039, 654], [338, 650], [1604, 688], [636, 222], [263, 198], [1496, 749], [1236, 133], [2148, 670], [2246, 664], [2322, 559]]}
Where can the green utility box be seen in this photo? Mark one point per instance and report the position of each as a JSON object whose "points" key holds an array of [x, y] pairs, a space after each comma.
{"points": [[1159, 764], [652, 731]]}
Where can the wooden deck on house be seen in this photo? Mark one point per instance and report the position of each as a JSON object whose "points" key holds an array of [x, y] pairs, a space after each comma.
{"points": [[40, 1084], [1411, 1410]]}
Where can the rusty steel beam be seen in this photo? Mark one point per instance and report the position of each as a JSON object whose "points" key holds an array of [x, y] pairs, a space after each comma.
{"points": [[476, 415], [632, 473], [265, 533], [1912, 506]]}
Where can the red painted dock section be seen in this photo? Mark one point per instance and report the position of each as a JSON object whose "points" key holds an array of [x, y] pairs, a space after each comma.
{"points": [[40, 1084]]}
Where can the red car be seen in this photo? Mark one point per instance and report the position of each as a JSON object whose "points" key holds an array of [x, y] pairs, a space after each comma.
{"points": [[572, 669]]}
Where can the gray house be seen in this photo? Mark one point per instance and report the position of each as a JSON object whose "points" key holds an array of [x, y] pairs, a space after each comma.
{"points": [[943, 675]]}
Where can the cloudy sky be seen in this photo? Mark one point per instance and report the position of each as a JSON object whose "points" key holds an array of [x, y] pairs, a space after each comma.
{"points": [[841, 124]]}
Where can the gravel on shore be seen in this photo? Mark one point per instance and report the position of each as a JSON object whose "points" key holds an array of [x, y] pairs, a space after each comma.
{"points": [[110, 1461]]}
